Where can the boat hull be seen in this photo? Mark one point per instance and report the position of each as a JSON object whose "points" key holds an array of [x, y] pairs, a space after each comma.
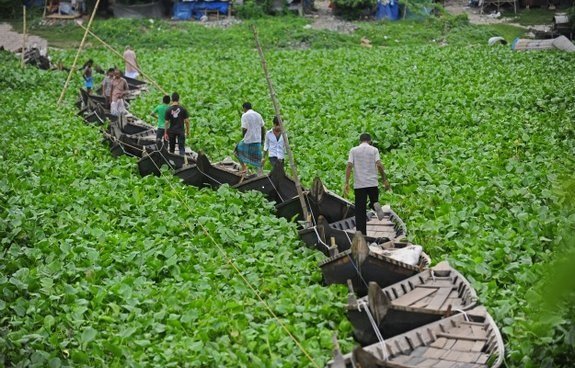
{"points": [[383, 270]]}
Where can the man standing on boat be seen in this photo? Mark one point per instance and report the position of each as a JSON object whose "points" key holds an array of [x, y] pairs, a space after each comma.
{"points": [[274, 144], [132, 67], [176, 119], [118, 91], [249, 150], [365, 162]]}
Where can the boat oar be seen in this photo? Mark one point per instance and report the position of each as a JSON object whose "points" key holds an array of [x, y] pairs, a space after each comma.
{"points": [[86, 30], [122, 56], [284, 135], [338, 360]]}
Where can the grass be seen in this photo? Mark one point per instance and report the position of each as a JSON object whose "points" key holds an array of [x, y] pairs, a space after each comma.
{"points": [[287, 32], [533, 16], [63, 35]]}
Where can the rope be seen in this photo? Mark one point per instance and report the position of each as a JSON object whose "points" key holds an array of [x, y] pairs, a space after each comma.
{"points": [[353, 263], [238, 271], [276, 189], [465, 315], [363, 304], [319, 237]]}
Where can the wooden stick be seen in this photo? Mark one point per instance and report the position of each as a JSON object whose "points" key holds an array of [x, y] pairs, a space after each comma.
{"points": [[78, 52], [280, 121], [24, 35], [45, 6], [405, 10], [122, 56]]}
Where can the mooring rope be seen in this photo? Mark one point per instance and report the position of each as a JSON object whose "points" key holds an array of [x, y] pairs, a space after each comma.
{"points": [[363, 304]]}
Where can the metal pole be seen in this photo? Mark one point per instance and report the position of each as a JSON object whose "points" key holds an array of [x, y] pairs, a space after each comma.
{"points": [[78, 53], [284, 135], [24, 35], [122, 56]]}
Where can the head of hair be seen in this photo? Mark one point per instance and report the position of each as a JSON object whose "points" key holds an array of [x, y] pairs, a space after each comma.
{"points": [[128, 47], [90, 62], [247, 106], [166, 99], [276, 121], [111, 70], [175, 97], [365, 137]]}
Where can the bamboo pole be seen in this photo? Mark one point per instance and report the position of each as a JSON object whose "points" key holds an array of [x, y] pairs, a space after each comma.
{"points": [[284, 135], [122, 56], [78, 52], [24, 35], [405, 10]]}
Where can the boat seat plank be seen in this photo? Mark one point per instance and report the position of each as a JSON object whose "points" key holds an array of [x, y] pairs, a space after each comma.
{"points": [[440, 297], [439, 283], [412, 297], [380, 224], [461, 337]]}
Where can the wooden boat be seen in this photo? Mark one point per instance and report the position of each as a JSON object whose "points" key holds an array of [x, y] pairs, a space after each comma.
{"points": [[390, 228], [320, 202], [421, 299], [363, 264], [464, 340], [135, 83], [92, 101], [93, 117], [155, 156], [133, 125], [276, 186], [134, 144], [204, 174]]}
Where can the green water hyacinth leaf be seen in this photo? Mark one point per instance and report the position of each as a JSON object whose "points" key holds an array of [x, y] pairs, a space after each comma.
{"points": [[476, 142]]}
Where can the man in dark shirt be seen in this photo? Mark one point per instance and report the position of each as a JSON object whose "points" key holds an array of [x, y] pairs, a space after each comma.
{"points": [[176, 118]]}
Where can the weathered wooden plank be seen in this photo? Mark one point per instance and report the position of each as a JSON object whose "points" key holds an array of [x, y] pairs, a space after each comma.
{"points": [[439, 298], [452, 355], [431, 352], [449, 344], [463, 345], [460, 337], [444, 364], [439, 284], [439, 343], [478, 346], [412, 297]]}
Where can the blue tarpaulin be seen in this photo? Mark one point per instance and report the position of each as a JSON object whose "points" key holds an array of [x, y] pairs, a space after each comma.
{"points": [[387, 10], [195, 9]]}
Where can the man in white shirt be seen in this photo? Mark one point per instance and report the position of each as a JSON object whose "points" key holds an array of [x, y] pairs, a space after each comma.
{"points": [[132, 67], [249, 150], [365, 162], [274, 144]]}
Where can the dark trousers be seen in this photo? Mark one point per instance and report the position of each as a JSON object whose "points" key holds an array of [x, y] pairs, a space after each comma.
{"points": [[361, 195], [181, 138], [273, 161], [160, 134]]}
